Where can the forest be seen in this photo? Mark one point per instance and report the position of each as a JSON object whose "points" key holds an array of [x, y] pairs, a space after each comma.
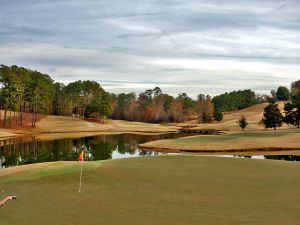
{"points": [[27, 95]]}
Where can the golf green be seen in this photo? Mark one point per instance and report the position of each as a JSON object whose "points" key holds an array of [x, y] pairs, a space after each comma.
{"points": [[166, 190]]}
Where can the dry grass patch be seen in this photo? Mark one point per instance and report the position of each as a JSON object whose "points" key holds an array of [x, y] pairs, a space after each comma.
{"points": [[61, 124]]}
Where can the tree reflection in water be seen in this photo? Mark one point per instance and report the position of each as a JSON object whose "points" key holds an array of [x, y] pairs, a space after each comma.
{"points": [[30, 150], [283, 157]]}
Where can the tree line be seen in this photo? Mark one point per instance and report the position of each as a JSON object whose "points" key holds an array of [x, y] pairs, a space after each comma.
{"points": [[284, 94], [25, 92], [273, 117], [155, 106], [235, 100]]}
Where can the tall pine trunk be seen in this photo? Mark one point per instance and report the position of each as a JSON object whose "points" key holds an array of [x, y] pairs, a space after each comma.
{"points": [[10, 118], [33, 115], [0, 111], [21, 115], [5, 118]]}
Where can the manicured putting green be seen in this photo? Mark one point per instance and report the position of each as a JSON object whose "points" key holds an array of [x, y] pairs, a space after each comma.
{"points": [[177, 190], [238, 135]]}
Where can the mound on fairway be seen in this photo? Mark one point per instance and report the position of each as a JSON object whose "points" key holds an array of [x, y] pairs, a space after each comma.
{"points": [[258, 142], [156, 190]]}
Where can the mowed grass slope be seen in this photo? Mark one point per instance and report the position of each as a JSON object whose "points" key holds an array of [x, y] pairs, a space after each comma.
{"points": [[286, 139], [183, 190]]}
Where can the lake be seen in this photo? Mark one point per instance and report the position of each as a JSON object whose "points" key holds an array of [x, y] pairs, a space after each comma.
{"points": [[27, 150]]}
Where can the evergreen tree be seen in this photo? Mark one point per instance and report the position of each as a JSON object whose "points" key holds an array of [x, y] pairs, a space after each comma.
{"points": [[218, 115], [292, 111], [25, 91], [234, 100], [289, 112], [242, 122], [282, 93], [272, 116]]}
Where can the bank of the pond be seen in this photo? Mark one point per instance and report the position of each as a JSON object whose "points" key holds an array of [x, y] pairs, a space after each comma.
{"points": [[61, 124], [286, 141], [54, 127], [6, 135], [156, 190]]}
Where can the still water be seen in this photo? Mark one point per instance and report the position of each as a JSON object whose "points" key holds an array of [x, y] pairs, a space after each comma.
{"points": [[29, 150]]}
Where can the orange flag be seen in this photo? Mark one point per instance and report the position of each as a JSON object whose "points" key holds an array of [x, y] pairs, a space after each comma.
{"points": [[81, 156]]}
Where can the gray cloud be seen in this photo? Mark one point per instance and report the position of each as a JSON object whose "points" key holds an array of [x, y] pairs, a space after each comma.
{"points": [[185, 46]]}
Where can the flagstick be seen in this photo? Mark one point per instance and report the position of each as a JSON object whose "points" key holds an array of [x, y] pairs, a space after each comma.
{"points": [[80, 176]]}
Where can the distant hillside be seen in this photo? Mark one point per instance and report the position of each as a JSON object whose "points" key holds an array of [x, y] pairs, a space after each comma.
{"points": [[253, 114]]}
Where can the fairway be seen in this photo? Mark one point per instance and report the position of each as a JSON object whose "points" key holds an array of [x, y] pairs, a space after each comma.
{"points": [[279, 140], [183, 190]]}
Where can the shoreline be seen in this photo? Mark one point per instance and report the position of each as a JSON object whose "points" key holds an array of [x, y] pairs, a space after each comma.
{"points": [[57, 127], [53, 165], [242, 152], [244, 142], [215, 154], [46, 136], [230, 138]]}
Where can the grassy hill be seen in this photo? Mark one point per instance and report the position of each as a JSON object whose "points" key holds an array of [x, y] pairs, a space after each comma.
{"points": [[253, 113], [255, 140]]}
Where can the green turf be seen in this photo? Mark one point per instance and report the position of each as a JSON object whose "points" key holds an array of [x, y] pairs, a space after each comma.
{"points": [[175, 190], [57, 169], [204, 139], [239, 135]]}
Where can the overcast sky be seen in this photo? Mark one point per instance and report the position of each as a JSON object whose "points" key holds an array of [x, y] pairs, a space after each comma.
{"points": [[190, 46]]}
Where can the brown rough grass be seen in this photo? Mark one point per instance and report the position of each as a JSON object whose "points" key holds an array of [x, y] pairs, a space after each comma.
{"points": [[253, 114], [55, 127], [60, 124]]}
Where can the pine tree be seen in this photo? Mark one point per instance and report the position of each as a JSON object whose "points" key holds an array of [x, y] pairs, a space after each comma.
{"points": [[242, 122], [292, 111], [218, 115], [272, 116]]}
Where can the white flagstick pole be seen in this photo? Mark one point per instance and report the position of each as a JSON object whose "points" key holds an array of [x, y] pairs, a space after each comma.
{"points": [[80, 176]]}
